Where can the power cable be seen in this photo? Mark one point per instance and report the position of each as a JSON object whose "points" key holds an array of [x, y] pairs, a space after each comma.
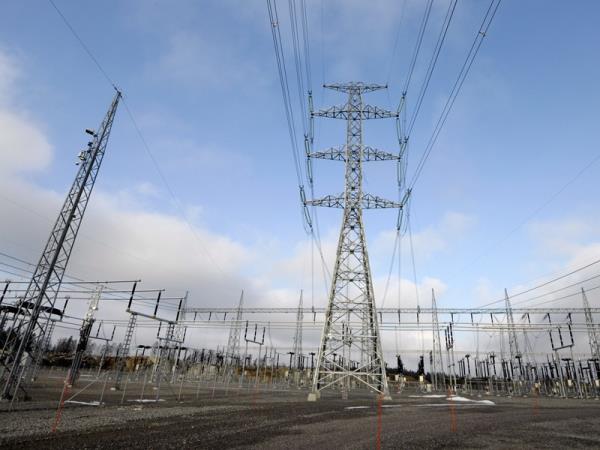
{"points": [[432, 63], [456, 88], [396, 40], [418, 44], [535, 212], [546, 283], [83, 45]]}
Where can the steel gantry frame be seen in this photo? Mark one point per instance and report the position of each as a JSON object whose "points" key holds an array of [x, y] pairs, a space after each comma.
{"points": [[24, 341], [351, 330]]}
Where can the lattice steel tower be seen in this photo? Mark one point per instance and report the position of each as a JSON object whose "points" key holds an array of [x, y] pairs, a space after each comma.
{"points": [[37, 306], [350, 352]]}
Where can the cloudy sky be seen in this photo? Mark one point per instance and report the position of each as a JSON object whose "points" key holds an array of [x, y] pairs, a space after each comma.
{"points": [[502, 201]]}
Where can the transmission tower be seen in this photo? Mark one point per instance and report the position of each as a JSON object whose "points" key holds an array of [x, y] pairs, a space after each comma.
{"points": [[351, 330], [437, 361], [37, 306], [298, 335], [592, 333]]}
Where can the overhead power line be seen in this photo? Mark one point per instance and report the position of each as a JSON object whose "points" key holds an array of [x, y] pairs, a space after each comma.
{"points": [[536, 211], [456, 88], [432, 63], [417, 49], [545, 283]]}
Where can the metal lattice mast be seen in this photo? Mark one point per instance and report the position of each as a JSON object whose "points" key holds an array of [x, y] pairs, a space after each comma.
{"points": [[438, 363], [233, 343], [162, 365], [125, 349], [351, 328], [298, 335], [180, 332], [528, 353], [37, 306], [592, 333], [84, 334], [513, 342]]}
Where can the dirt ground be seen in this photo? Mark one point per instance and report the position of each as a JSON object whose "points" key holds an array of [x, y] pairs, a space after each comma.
{"points": [[205, 416]]}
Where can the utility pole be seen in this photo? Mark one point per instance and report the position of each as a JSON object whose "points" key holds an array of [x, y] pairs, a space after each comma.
{"points": [[437, 359], [351, 297], [37, 306]]}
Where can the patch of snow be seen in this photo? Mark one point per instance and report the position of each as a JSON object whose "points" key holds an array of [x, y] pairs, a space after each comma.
{"points": [[357, 407], [428, 396], [456, 398], [94, 403]]}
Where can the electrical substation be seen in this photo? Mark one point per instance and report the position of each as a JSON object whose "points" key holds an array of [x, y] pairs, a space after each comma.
{"points": [[165, 369]]}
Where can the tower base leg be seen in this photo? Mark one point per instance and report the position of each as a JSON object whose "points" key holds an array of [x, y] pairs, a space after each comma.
{"points": [[314, 396]]}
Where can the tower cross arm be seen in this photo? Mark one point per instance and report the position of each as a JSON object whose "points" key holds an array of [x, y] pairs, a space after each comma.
{"points": [[372, 154], [355, 87], [370, 201], [367, 201], [346, 112], [329, 201], [369, 154], [333, 154]]}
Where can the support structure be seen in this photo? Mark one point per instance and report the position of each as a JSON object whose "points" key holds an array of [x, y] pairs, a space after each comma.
{"points": [[298, 336], [513, 342], [351, 330], [124, 350], [36, 308], [592, 332], [437, 370], [84, 335], [232, 353]]}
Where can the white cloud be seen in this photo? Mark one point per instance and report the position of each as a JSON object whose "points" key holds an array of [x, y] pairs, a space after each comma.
{"points": [[560, 238], [22, 146], [431, 239], [9, 72]]}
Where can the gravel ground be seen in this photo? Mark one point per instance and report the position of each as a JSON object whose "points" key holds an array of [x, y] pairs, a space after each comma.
{"points": [[275, 420]]}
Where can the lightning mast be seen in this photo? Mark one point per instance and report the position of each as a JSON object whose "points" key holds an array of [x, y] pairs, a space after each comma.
{"points": [[351, 329], [37, 306]]}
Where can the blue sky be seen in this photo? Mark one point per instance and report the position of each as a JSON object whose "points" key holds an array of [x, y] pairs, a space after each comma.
{"points": [[201, 80]]}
